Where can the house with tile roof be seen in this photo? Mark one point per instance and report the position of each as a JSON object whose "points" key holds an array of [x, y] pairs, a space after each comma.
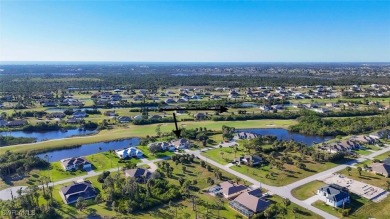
{"points": [[139, 174], [381, 168], [231, 190], [75, 162], [250, 203]]}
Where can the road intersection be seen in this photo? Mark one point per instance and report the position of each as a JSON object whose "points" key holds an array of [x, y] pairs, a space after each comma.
{"points": [[283, 191]]}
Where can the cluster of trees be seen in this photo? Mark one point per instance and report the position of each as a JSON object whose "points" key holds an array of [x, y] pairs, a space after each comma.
{"points": [[130, 79], [10, 140], [42, 126], [279, 153], [227, 132], [126, 195], [22, 114], [200, 134], [153, 121], [27, 205], [314, 125], [21, 163]]}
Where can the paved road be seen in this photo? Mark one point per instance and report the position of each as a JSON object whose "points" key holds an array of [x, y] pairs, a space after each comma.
{"points": [[281, 191], [284, 191], [6, 193]]}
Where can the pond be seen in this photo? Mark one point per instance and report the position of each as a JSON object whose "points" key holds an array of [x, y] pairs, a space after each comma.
{"points": [[88, 149], [42, 136], [283, 134]]}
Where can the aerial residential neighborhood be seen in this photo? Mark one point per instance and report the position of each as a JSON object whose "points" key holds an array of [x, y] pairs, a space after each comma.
{"points": [[194, 109]]}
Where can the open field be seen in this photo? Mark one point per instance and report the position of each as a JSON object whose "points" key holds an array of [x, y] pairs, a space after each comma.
{"points": [[130, 131], [150, 156], [287, 175], [308, 190], [224, 155]]}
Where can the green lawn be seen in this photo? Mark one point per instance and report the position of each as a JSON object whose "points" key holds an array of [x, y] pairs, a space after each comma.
{"points": [[363, 152], [205, 206], [56, 172], [300, 213], [227, 156], [356, 207], [129, 130], [289, 173], [308, 190], [150, 156], [374, 210]]}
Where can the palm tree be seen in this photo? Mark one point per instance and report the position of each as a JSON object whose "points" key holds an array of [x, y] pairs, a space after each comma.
{"points": [[349, 170], [359, 169]]}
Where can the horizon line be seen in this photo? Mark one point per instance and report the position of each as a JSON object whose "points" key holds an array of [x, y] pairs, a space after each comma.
{"points": [[259, 62]]}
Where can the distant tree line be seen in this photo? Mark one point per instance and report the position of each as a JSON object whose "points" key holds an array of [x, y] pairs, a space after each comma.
{"points": [[315, 125]]}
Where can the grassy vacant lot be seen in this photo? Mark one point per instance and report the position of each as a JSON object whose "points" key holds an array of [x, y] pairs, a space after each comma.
{"points": [[205, 207], [129, 131], [224, 155], [287, 175], [308, 190], [150, 156], [300, 213], [374, 210], [357, 205], [366, 177]]}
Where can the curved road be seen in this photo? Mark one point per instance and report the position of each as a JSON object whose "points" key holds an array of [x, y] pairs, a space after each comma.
{"points": [[283, 191]]}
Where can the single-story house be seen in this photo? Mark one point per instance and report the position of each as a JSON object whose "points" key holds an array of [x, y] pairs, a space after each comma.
{"points": [[58, 115], [116, 97], [381, 134], [182, 100], [363, 139], [49, 103], [74, 163], [335, 195], [155, 117], [15, 123], [110, 113], [381, 168], [140, 174], [248, 160], [74, 120], [164, 146], [169, 100], [138, 117], [128, 153], [72, 192], [181, 143], [231, 190], [250, 203], [124, 119], [79, 114], [200, 116], [246, 135]]}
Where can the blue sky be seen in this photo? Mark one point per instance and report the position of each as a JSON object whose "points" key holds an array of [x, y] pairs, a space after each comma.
{"points": [[251, 31]]}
